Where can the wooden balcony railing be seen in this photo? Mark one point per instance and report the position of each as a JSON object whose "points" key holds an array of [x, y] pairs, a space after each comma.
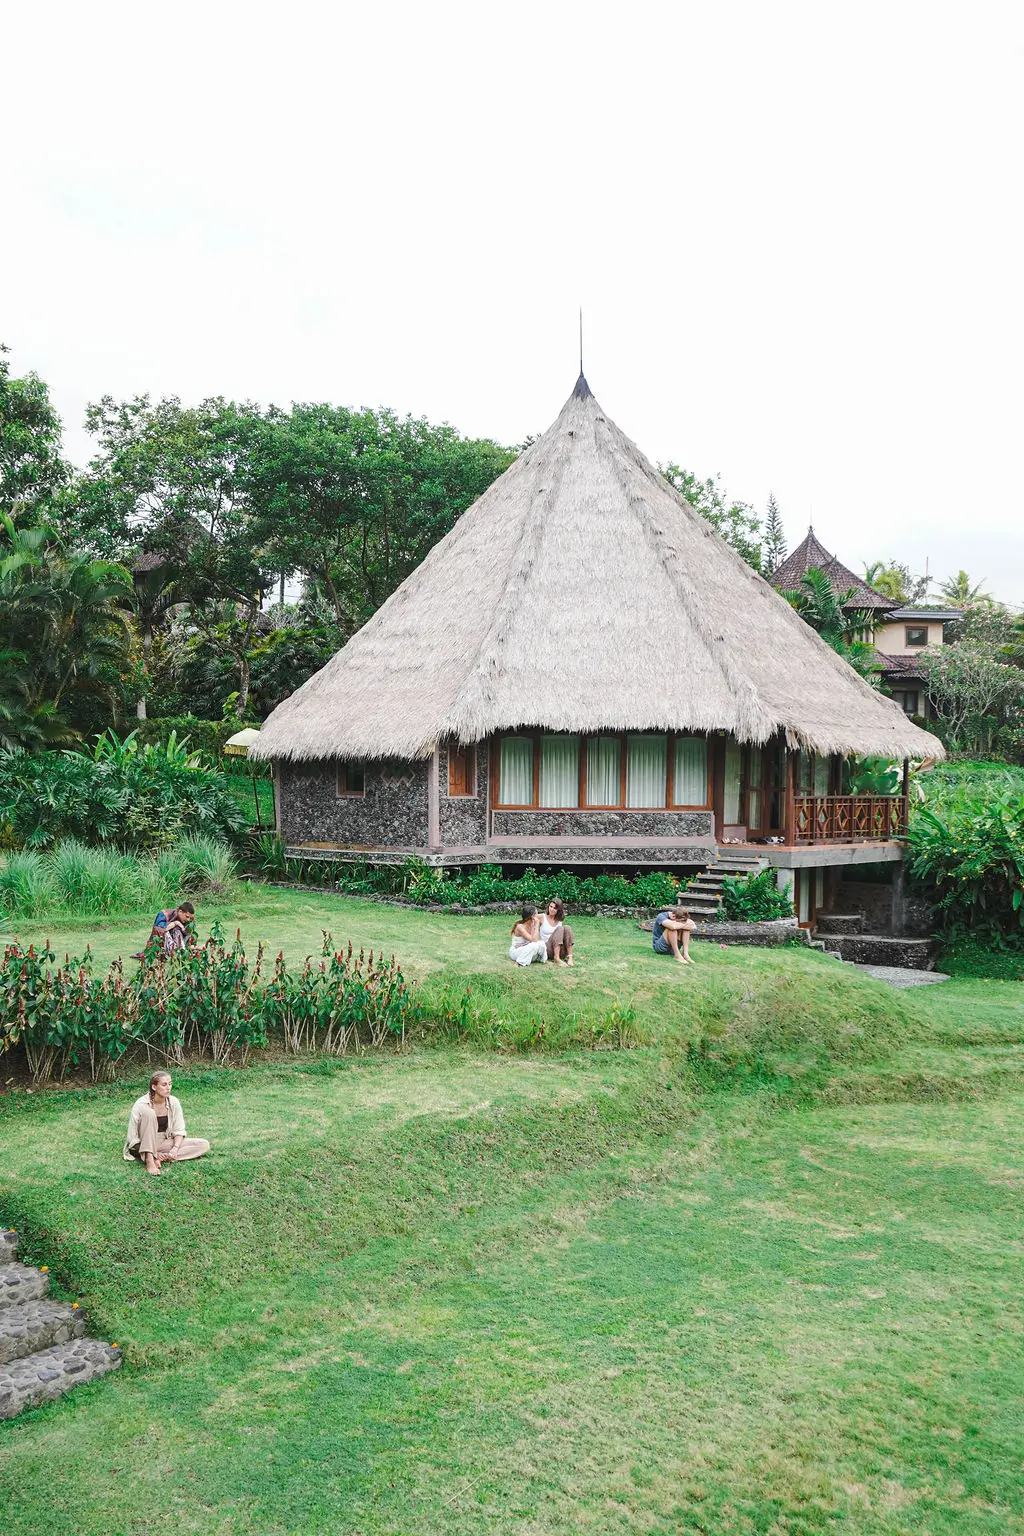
{"points": [[848, 818]]}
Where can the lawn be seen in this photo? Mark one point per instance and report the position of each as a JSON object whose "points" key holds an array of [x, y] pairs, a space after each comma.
{"points": [[548, 1292]]}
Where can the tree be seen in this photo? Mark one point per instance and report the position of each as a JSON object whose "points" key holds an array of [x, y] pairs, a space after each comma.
{"points": [[831, 615], [737, 522], [64, 619], [972, 689], [774, 548], [355, 499], [32, 467], [893, 579], [170, 482], [959, 592]]}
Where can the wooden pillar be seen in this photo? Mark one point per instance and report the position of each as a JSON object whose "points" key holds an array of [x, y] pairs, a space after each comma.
{"points": [[718, 784], [434, 802], [789, 824], [905, 800]]}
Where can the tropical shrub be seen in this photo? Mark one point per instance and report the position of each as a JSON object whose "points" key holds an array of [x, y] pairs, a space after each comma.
{"points": [[205, 740], [421, 883], [966, 850], [209, 1000], [754, 899], [140, 797]]}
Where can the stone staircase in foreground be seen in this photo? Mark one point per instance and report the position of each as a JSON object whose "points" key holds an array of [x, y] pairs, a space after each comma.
{"points": [[842, 935], [703, 895], [43, 1348]]}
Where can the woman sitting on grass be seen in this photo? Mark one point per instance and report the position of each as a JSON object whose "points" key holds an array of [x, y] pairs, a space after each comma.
{"points": [[556, 933], [527, 944], [156, 1129]]}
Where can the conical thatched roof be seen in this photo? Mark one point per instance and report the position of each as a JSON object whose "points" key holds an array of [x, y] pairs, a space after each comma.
{"points": [[812, 554], [582, 593]]}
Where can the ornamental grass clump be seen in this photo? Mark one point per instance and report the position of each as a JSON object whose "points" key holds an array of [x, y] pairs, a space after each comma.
{"points": [[84, 881]]}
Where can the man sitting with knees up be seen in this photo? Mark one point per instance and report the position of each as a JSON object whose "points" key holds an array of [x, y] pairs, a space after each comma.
{"points": [[671, 934]]}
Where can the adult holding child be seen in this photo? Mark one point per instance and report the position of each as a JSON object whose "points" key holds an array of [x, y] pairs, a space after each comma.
{"points": [[156, 1129]]}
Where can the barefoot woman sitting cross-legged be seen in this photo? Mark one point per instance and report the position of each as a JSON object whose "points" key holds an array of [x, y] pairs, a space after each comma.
{"points": [[156, 1129]]}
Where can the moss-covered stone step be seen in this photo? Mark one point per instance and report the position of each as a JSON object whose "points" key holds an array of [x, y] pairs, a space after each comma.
{"points": [[47, 1374], [36, 1325], [20, 1283]]}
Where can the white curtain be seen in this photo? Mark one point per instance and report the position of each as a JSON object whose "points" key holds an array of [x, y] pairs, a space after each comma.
{"points": [[733, 767], [690, 782], [515, 775], [603, 769], [754, 796], [646, 771], [560, 771], [821, 775]]}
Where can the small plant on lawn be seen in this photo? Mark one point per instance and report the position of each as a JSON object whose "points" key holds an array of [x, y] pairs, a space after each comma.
{"points": [[753, 899]]}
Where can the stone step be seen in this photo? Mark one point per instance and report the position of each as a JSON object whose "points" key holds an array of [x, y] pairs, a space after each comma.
{"points": [[8, 1245], [878, 949], [840, 922], [20, 1282], [49, 1373], [35, 1325]]}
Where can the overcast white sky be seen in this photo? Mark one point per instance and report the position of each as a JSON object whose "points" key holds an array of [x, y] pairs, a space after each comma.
{"points": [[795, 230]]}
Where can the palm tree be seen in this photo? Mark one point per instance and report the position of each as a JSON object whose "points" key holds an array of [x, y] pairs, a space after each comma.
{"points": [[844, 627], [959, 592]]}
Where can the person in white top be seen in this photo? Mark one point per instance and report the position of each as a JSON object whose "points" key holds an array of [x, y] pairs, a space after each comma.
{"points": [[556, 933], [527, 944], [156, 1129]]}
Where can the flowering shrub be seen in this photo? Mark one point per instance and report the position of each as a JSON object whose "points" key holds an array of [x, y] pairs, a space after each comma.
{"points": [[209, 1000]]}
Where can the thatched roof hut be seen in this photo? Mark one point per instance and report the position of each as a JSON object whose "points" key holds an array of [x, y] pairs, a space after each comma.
{"points": [[582, 593]]}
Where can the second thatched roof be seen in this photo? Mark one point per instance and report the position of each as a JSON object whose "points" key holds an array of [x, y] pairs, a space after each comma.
{"points": [[582, 593]]}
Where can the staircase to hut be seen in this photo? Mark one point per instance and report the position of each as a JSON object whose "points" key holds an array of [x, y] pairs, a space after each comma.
{"points": [[703, 895], [842, 934], [43, 1348]]}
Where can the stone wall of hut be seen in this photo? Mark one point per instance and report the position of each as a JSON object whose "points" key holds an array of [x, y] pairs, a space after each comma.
{"points": [[464, 817], [392, 813], [685, 824]]}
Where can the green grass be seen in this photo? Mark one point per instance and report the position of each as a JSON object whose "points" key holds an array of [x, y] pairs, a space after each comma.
{"points": [[549, 1293]]}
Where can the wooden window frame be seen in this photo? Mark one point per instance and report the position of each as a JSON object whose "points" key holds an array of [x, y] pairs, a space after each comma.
{"points": [[915, 629], [470, 793], [341, 789], [585, 739]]}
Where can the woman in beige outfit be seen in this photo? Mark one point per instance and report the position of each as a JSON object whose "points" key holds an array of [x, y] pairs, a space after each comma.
{"points": [[156, 1129]]}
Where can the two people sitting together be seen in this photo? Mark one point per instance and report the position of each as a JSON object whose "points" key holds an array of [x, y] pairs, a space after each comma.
{"points": [[542, 938]]}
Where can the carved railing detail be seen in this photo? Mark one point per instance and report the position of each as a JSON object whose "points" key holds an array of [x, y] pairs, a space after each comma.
{"points": [[848, 818]]}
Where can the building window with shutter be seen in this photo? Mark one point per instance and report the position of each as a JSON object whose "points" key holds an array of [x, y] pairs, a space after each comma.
{"points": [[461, 772]]}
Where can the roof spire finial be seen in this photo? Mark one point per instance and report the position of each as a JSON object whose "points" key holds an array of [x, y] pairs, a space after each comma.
{"points": [[582, 389]]}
